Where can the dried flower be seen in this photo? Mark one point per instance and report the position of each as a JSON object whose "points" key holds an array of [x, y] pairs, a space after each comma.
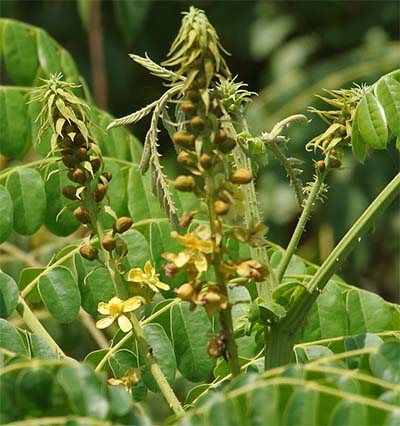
{"points": [[253, 270], [129, 380]]}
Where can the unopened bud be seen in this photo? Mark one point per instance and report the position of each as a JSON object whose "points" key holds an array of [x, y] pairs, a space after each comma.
{"points": [[334, 163], [220, 136], [67, 142], [197, 123], [122, 224], [184, 139], [109, 242], [185, 183], [227, 145], [241, 176], [82, 215], [193, 95], [81, 154], [78, 176], [88, 252], [205, 161], [96, 163], [99, 192], [108, 175], [69, 160], [185, 292], [320, 165], [186, 159], [69, 192], [187, 218], [221, 208], [189, 108]]}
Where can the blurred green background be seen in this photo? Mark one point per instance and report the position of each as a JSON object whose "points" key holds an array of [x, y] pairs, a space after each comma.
{"points": [[287, 51]]}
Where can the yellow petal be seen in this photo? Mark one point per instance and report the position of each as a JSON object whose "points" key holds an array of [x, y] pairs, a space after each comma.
{"points": [[135, 275], [200, 262], [104, 322], [148, 269], [162, 285], [124, 324], [103, 308], [132, 304], [115, 382], [115, 301], [182, 258], [152, 286]]}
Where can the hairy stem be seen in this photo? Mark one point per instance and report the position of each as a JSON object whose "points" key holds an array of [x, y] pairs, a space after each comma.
{"points": [[298, 232], [284, 334], [36, 327]]}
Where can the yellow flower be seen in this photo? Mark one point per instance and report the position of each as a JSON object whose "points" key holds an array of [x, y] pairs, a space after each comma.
{"points": [[115, 309], [197, 245], [148, 277]]}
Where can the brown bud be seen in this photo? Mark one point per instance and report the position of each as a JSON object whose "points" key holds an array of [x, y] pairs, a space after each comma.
{"points": [[215, 348], [96, 163], [69, 128], [108, 242], [197, 123], [67, 142], [88, 252], [108, 176], [227, 145], [122, 224], [99, 192], [69, 192], [200, 82], [205, 161], [241, 176], [221, 208], [185, 183], [81, 154], [184, 139], [220, 136], [79, 139], [193, 95], [320, 165], [189, 108], [187, 218], [78, 176], [186, 159], [334, 163], [82, 215], [185, 291], [69, 161]]}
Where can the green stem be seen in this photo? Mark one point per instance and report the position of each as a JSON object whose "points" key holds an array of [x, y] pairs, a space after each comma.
{"points": [[298, 232], [284, 333], [36, 327], [252, 213]]}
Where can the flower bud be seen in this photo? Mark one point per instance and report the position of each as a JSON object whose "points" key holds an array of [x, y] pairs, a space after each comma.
{"points": [[197, 123], [96, 163], [189, 108], [69, 161], [184, 139], [81, 154], [69, 128], [82, 215], [221, 208], [334, 163], [320, 166], [185, 183], [79, 139], [185, 291], [227, 145], [187, 218], [186, 159], [220, 136], [78, 176], [109, 242], [206, 161], [67, 142], [88, 252], [241, 176], [193, 95], [69, 192], [99, 192], [108, 176], [122, 224]]}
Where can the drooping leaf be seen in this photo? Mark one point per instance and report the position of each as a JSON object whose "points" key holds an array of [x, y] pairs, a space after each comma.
{"points": [[27, 191], [86, 395], [372, 122], [8, 295], [388, 93], [20, 52], [161, 349], [6, 214], [191, 332], [10, 339], [14, 137], [60, 294]]}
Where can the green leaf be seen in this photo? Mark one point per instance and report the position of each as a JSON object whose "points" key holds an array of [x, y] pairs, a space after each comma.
{"points": [[26, 276], [26, 188], [372, 122], [60, 294], [349, 413], [130, 16], [388, 93], [302, 408], [20, 52], [8, 295], [84, 12], [358, 146], [39, 347], [117, 187], [312, 352], [10, 339], [48, 52], [163, 352], [65, 223], [284, 294], [35, 386], [121, 361], [42, 146], [85, 393], [93, 358], [191, 332], [13, 130], [6, 214], [385, 363], [119, 400], [70, 71], [319, 325], [138, 248], [367, 313], [360, 341]]}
